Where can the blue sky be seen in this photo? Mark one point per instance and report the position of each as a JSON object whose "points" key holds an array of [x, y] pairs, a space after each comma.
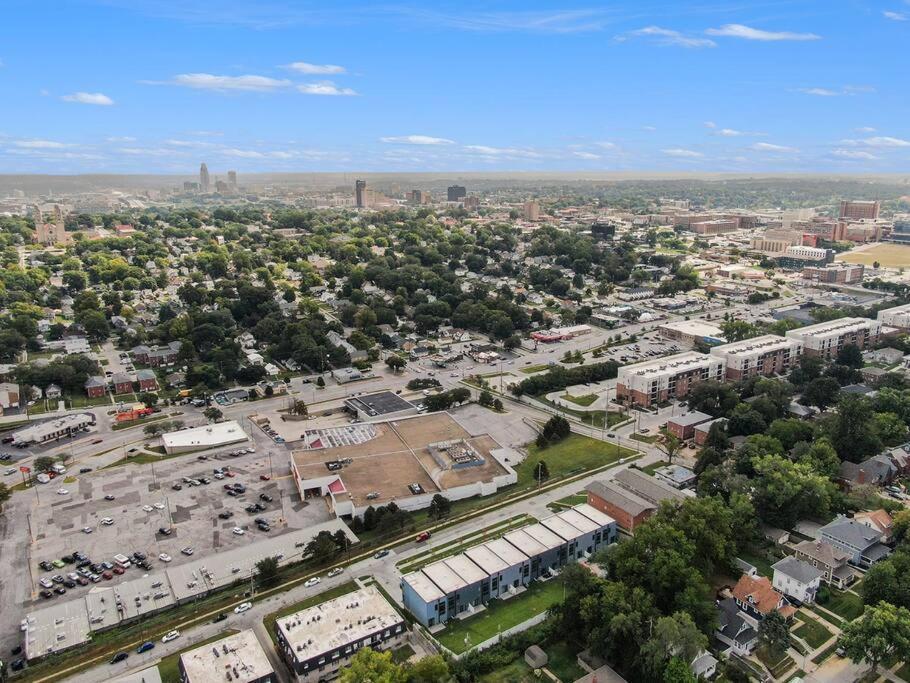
{"points": [[704, 85]]}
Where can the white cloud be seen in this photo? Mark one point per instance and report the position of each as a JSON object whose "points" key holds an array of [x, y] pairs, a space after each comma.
{"points": [[768, 147], [865, 129], [733, 133], [853, 154], [189, 143], [818, 92], [39, 144], [416, 140], [710, 124], [586, 155], [147, 151], [682, 153], [565, 21], [606, 145], [120, 138], [884, 141], [895, 16], [667, 36], [650, 129], [502, 151], [749, 33], [321, 69], [96, 98], [253, 83], [324, 88]]}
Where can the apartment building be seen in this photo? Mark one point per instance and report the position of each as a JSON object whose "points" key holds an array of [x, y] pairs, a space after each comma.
{"points": [[840, 274], [766, 355], [898, 317], [826, 339], [665, 379]]}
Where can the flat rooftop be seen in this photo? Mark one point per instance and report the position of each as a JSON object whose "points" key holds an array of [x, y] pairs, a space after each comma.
{"points": [[380, 403], [239, 658], [681, 362], [762, 344], [486, 559], [839, 326], [207, 435], [511, 555], [336, 623], [692, 418], [696, 328], [384, 458], [421, 584]]}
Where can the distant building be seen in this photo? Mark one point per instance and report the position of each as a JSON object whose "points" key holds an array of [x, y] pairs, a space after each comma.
{"points": [[531, 210], [232, 179], [860, 210], [797, 258], [455, 193], [189, 186], [471, 203], [360, 188], [826, 339], [419, 197], [204, 181], [665, 379], [689, 332], [202, 438], [898, 317], [839, 274], [765, 355]]}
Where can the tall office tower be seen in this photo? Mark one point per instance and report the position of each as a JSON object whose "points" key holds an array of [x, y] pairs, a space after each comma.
{"points": [[204, 178], [859, 210], [531, 210], [455, 193], [232, 179], [360, 188]]}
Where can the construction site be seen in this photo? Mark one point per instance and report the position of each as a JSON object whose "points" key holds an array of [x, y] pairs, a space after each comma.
{"points": [[406, 460]]}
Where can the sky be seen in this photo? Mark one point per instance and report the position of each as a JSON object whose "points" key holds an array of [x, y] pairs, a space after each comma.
{"points": [[158, 86]]}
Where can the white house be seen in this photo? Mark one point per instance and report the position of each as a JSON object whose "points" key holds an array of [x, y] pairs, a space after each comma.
{"points": [[796, 579]]}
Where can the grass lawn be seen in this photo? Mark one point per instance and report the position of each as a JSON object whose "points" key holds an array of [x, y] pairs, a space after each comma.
{"points": [[572, 455], [903, 673], [568, 501], [888, 255], [647, 438], [516, 672], [759, 560], [812, 631], [169, 666], [650, 469], [563, 661], [584, 401], [270, 619], [138, 423], [847, 605], [535, 368], [403, 653], [824, 654], [86, 402], [502, 614], [776, 663]]}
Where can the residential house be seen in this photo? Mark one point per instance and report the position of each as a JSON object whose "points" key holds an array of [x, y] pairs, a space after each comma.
{"points": [[796, 579], [831, 561], [879, 520], [704, 666], [861, 543], [148, 381], [339, 341], [53, 391], [735, 628], [755, 596], [878, 470], [9, 396], [95, 387], [122, 383], [627, 508]]}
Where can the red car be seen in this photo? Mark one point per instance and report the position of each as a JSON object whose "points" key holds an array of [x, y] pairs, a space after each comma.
{"points": [[228, 474], [97, 441], [107, 575], [264, 477], [118, 570], [228, 487]]}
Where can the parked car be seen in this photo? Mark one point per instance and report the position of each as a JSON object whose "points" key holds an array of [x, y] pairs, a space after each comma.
{"points": [[165, 532], [227, 514], [380, 554], [145, 647], [243, 607], [335, 572], [109, 497], [309, 583], [189, 550], [237, 531], [170, 635], [266, 497], [164, 557], [119, 657], [220, 617]]}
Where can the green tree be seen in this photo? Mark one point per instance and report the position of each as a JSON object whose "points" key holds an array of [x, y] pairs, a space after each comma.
{"points": [[320, 382], [888, 581], [821, 392], [212, 414], [298, 407], [497, 405], [323, 547], [670, 445], [774, 633], [852, 430], [786, 491], [790, 431], [44, 463], [900, 529], [440, 507], [149, 399], [485, 398], [890, 428], [851, 356], [153, 429], [745, 421], [820, 456], [673, 636], [267, 570], [677, 671], [369, 666], [883, 632], [715, 398], [541, 471], [432, 669], [396, 363]]}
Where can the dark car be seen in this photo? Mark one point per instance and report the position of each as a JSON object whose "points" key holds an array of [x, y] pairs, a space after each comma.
{"points": [[139, 555], [177, 487], [144, 564], [145, 647], [227, 514], [220, 617], [232, 492], [252, 509], [83, 470], [165, 532], [46, 594], [266, 497], [16, 650], [69, 583], [46, 566], [68, 559], [17, 664], [264, 477], [260, 507], [119, 657], [60, 590]]}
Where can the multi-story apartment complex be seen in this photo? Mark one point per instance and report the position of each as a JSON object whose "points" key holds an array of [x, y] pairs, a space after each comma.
{"points": [[765, 355], [664, 379], [826, 339], [898, 317], [841, 273], [859, 210], [318, 641]]}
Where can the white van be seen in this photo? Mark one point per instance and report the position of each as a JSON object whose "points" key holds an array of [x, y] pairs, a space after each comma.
{"points": [[58, 468], [122, 561]]}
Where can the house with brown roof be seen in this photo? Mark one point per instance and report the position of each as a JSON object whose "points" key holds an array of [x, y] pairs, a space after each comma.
{"points": [[755, 596], [831, 561], [879, 520]]}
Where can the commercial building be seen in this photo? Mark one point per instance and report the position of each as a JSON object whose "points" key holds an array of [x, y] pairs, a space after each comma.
{"points": [[627, 508], [765, 355], [683, 426], [202, 438], [318, 641], [238, 658], [690, 332], [664, 379], [360, 188], [835, 274], [860, 210], [531, 210], [464, 583], [204, 179], [53, 430], [557, 334], [797, 258], [714, 227], [384, 405], [455, 193], [898, 317], [826, 339]]}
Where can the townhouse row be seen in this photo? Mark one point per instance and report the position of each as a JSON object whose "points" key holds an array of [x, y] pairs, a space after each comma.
{"points": [[672, 377]]}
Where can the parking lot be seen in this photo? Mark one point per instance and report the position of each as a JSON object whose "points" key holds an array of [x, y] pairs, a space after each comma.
{"points": [[139, 501]]}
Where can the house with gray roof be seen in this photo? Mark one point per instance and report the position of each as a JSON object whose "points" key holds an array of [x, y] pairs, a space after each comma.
{"points": [[796, 579], [648, 487], [861, 543], [627, 508], [831, 561], [736, 629], [879, 470]]}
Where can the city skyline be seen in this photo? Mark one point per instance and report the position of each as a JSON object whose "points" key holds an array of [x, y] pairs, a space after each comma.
{"points": [[801, 87]]}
